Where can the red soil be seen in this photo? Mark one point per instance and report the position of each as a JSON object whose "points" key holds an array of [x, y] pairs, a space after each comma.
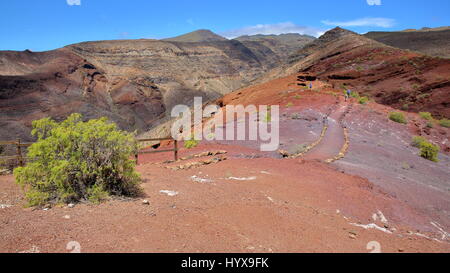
{"points": [[247, 203], [289, 207]]}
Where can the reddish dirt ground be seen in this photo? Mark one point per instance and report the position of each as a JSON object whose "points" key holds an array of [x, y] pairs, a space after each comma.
{"points": [[255, 202], [289, 207]]}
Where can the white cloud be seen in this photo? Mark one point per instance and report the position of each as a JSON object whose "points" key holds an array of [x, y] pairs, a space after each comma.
{"points": [[374, 2], [363, 22], [74, 2], [280, 28]]}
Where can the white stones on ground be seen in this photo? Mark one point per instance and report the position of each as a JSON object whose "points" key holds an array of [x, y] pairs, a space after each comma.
{"points": [[372, 226], [381, 216], [66, 216], [71, 205], [242, 178], [270, 199], [145, 202], [443, 233], [201, 180], [169, 193], [5, 206]]}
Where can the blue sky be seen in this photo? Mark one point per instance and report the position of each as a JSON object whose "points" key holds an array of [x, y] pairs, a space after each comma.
{"points": [[48, 24]]}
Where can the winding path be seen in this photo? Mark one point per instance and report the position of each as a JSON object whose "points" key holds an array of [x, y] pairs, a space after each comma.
{"points": [[334, 140]]}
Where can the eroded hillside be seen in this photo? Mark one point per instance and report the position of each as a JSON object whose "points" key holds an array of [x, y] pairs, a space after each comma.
{"points": [[433, 42], [392, 76], [133, 82]]}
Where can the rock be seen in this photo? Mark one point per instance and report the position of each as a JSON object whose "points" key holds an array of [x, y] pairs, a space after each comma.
{"points": [[352, 236], [283, 153], [66, 216], [71, 205], [401, 250], [145, 202]]}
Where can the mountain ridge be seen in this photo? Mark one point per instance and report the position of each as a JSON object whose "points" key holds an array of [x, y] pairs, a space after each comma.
{"points": [[201, 35]]}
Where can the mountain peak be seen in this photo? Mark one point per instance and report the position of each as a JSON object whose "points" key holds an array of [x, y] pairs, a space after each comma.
{"points": [[201, 35]]}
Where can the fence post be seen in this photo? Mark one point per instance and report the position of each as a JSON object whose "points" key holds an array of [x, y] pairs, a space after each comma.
{"points": [[136, 156], [176, 150], [19, 153]]}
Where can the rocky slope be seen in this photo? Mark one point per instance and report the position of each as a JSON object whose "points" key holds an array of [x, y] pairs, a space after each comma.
{"points": [[58, 83], [433, 42], [391, 76], [284, 44], [133, 82]]}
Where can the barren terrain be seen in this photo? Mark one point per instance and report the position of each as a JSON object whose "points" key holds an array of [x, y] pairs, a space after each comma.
{"points": [[239, 199]]}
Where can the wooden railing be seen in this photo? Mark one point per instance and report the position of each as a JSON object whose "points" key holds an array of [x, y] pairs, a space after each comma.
{"points": [[21, 159], [18, 155], [174, 150]]}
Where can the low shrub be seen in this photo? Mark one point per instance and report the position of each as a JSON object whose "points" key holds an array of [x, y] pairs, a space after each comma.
{"points": [[363, 100], [355, 95], [417, 141], [191, 143], [426, 115], [75, 160], [430, 124], [429, 151], [445, 123], [397, 117], [268, 117]]}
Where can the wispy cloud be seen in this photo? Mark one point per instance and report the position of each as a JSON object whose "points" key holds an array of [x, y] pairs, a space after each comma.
{"points": [[74, 2], [280, 28], [374, 2], [363, 22]]}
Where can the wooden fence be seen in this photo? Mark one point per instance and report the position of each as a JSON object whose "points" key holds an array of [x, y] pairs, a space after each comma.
{"points": [[174, 150], [21, 159]]}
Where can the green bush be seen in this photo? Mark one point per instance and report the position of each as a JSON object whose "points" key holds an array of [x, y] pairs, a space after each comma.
{"points": [[445, 123], [405, 107], [430, 124], [426, 115], [363, 100], [417, 141], [268, 117], [397, 117], [75, 160], [429, 151], [355, 95], [190, 143]]}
